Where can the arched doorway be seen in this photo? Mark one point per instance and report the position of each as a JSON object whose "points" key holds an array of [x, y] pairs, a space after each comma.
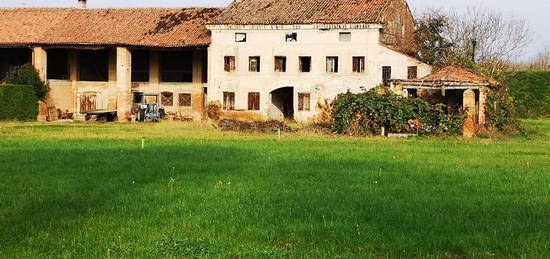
{"points": [[282, 103]]}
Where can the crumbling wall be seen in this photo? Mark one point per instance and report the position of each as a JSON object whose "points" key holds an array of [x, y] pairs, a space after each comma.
{"points": [[399, 26]]}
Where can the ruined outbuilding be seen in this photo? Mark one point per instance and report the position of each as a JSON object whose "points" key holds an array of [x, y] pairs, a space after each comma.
{"points": [[455, 87]]}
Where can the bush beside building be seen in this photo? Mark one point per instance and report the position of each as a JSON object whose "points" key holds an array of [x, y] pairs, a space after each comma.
{"points": [[18, 102]]}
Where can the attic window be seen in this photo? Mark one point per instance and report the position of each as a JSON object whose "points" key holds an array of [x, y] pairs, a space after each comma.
{"points": [[291, 37], [345, 36], [240, 37]]}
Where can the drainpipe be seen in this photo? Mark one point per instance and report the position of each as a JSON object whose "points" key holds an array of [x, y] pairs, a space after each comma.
{"points": [[82, 4]]}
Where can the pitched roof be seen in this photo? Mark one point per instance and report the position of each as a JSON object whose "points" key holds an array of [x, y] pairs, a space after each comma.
{"points": [[145, 27], [452, 75], [285, 12]]}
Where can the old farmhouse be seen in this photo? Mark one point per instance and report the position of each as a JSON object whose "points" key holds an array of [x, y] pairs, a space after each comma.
{"points": [[260, 59]]}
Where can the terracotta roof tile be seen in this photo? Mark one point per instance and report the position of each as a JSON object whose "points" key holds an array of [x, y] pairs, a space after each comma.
{"points": [[146, 27], [285, 12], [453, 74]]}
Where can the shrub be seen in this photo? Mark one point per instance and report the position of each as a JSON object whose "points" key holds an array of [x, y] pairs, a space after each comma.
{"points": [[530, 91], [18, 102], [501, 112], [214, 110], [368, 112], [28, 75]]}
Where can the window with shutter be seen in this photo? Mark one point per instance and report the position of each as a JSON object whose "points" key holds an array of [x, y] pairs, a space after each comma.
{"points": [[412, 72], [228, 101], [304, 103], [386, 75], [280, 64], [254, 101], [359, 64], [229, 63]]}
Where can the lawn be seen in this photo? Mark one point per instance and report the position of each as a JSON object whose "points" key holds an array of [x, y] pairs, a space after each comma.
{"points": [[89, 190]]}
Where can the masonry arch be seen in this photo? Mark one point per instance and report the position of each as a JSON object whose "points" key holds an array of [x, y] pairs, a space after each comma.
{"points": [[282, 103]]}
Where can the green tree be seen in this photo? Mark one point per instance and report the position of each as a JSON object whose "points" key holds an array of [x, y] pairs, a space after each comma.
{"points": [[28, 75]]}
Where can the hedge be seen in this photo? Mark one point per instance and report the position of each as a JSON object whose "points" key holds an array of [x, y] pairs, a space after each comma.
{"points": [[18, 102], [530, 91]]}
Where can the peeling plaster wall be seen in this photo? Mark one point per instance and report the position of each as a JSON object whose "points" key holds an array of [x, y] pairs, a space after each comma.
{"points": [[270, 42]]}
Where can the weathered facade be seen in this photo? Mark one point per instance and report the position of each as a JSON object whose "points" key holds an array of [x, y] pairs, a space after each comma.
{"points": [[261, 59], [278, 59], [101, 59]]}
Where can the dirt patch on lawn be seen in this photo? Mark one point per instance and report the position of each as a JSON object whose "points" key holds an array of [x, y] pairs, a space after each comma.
{"points": [[253, 126]]}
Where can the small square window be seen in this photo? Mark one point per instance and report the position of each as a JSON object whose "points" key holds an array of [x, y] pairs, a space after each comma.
{"points": [[359, 64], [254, 64], [304, 101], [291, 37], [305, 64], [332, 64], [254, 101], [167, 99], [280, 64], [240, 37], [229, 101], [229, 63], [185, 100], [345, 36]]}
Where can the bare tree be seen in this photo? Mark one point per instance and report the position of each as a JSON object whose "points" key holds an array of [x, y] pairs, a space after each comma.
{"points": [[540, 62], [480, 38]]}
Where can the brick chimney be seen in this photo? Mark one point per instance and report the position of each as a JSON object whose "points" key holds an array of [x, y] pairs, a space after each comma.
{"points": [[82, 4]]}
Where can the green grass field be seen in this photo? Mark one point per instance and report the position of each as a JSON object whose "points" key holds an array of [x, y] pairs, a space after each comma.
{"points": [[88, 190]]}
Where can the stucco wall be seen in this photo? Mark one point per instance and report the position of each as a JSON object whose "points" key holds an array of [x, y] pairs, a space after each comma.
{"points": [[270, 42]]}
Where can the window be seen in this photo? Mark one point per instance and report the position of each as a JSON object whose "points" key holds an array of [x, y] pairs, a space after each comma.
{"points": [[253, 101], [167, 99], [280, 64], [386, 75], [176, 66], [93, 65], [332, 64], [412, 72], [240, 37], [304, 103], [305, 64], [140, 66], [229, 63], [229, 101], [184, 100], [345, 36], [58, 64], [359, 64], [291, 37], [254, 64]]}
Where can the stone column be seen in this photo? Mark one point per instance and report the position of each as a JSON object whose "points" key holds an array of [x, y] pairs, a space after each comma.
{"points": [[197, 94], [483, 92], [124, 83], [469, 106], [154, 70], [40, 61]]}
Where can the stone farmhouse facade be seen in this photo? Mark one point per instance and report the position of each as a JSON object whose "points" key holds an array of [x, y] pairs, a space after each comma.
{"points": [[260, 59]]}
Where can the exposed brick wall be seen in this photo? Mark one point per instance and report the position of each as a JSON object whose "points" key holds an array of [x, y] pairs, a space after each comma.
{"points": [[399, 26]]}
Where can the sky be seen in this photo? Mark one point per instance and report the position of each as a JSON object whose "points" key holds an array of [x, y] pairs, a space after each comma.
{"points": [[533, 11]]}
